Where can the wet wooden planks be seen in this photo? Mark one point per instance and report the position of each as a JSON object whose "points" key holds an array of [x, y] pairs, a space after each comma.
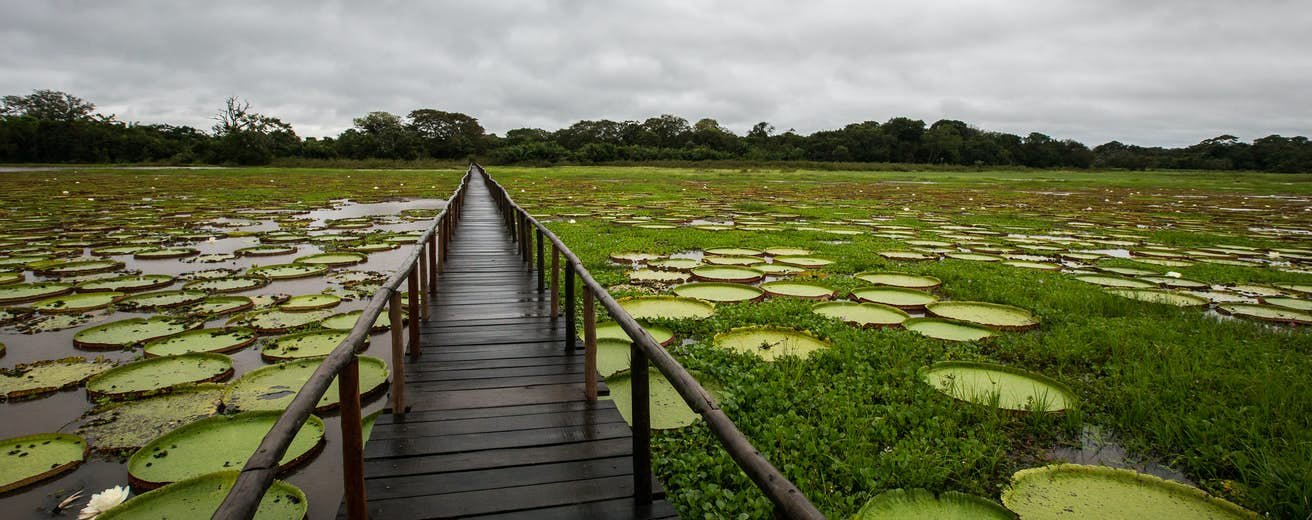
{"points": [[497, 425]]}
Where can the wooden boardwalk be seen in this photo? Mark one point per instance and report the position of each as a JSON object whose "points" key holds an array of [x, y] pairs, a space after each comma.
{"points": [[498, 426]]}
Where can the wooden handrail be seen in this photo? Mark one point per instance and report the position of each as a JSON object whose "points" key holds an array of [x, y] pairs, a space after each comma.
{"points": [[257, 475], [788, 500]]}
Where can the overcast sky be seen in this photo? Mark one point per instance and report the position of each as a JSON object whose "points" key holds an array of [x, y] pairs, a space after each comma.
{"points": [[1151, 72]]}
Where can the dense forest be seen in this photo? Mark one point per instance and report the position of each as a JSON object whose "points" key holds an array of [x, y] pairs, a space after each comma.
{"points": [[55, 127]]}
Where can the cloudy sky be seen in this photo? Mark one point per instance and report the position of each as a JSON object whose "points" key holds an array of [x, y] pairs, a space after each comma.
{"points": [[1160, 72]]}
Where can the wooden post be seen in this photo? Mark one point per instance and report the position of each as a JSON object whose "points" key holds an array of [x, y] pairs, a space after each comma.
{"points": [[425, 300], [432, 265], [555, 282], [442, 247], [542, 266], [412, 286], [348, 388], [571, 341], [638, 381], [589, 345], [398, 355]]}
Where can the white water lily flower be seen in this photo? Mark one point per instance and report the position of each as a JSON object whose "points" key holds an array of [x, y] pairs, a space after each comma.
{"points": [[103, 501], [1173, 274]]}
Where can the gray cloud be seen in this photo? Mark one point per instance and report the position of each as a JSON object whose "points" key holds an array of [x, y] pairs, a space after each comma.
{"points": [[1156, 73]]}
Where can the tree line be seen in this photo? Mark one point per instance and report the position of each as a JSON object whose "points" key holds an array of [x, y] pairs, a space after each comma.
{"points": [[55, 127]]}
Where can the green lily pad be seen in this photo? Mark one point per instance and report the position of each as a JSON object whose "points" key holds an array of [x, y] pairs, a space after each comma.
{"points": [[10, 278], [43, 377], [77, 302], [733, 251], [1076, 491], [612, 355], [805, 290], [276, 321], [222, 340], [79, 267], [1175, 283], [346, 321], [288, 271], [1115, 281], [333, 259], [200, 497], [215, 444], [33, 458], [770, 343], [1161, 296], [125, 333], [165, 253], [777, 269], [1289, 303], [266, 250], [808, 262], [273, 387], [668, 307], [129, 425], [674, 264], [906, 299], [787, 251], [162, 299], [949, 330], [727, 273], [1266, 313], [28, 292], [221, 305], [667, 408], [653, 276], [1026, 264], [1128, 271], [159, 374], [719, 292], [993, 315], [128, 284], [919, 504], [119, 250], [303, 345], [612, 330], [908, 256], [1002, 386], [309, 302], [862, 314], [633, 257], [903, 280], [228, 284], [730, 260]]}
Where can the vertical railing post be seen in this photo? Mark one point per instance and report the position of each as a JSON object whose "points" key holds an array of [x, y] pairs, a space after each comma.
{"points": [[425, 297], [442, 236], [555, 282], [542, 266], [398, 354], [348, 388], [432, 265], [638, 381], [571, 341], [412, 285], [589, 345]]}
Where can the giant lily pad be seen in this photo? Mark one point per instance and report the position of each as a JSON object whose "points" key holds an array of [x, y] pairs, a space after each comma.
{"points": [[1266, 313], [1115, 281], [216, 444], [719, 292], [810, 291], [667, 408], [303, 345], [906, 299], [79, 267], [230, 284], [10, 278], [1161, 296], [733, 251], [77, 302], [654, 276], [162, 299], [125, 333], [730, 260], [227, 339], [48, 376], [612, 355], [200, 497], [727, 273], [770, 343], [919, 504], [787, 251], [1289, 303], [994, 315], [309, 302], [862, 314], [903, 280], [808, 262], [1076, 491], [131, 424], [777, 269], [998, 385], [632, 257], [159, 374], [288, 271], [164, 253], [274, 386], [266, 250], [668, 307], [612, 330], [674, 264], [33, 458], [220, 305], [275, 321], [346, 321], [128, 284], [333, 259], [28, 292], [949, 330]]}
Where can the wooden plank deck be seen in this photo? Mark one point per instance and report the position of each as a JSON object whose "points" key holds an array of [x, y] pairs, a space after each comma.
{"points": [[498, 426]]}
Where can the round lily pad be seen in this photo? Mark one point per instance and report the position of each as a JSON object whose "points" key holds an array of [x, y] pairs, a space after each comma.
{"points": [[1161, 296], [79, 267], [787, 251], [674, 264], [1266, 313], [612, 355], [862, 314], [654, 276], [1288, 303], [309, 302], [1026, 264], [1115, 281], [346, 321], [906, 299], [200, 497], [220, 305], [159, 374], [733, 251], [1077, 491], [276, 321], [919, 504], [43, 377], [632, 257], [216, 444], [777, 269], [162, 299], [128, 284], [805, 290], [770, 343], [77, 302], [727, 273], [1175, 283], [666, 406], [124, 333], [808, 262], [128, 425], [266, 250], [164, 253], [10, 278], [273, 387], [303, 345], [333, 259], [998, 385], [949, 330], [612, 330], [668, 307], [28, 292], [719, 292], [994, 315], [33, 458], [730, 260], [910, 256], [227, 339], [288, 271], [904, 280], [1127, 271], [229, 284]]}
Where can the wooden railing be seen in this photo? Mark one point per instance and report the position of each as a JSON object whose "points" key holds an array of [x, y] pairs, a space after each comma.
{"points": [[419, 273], [527, 231]]}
